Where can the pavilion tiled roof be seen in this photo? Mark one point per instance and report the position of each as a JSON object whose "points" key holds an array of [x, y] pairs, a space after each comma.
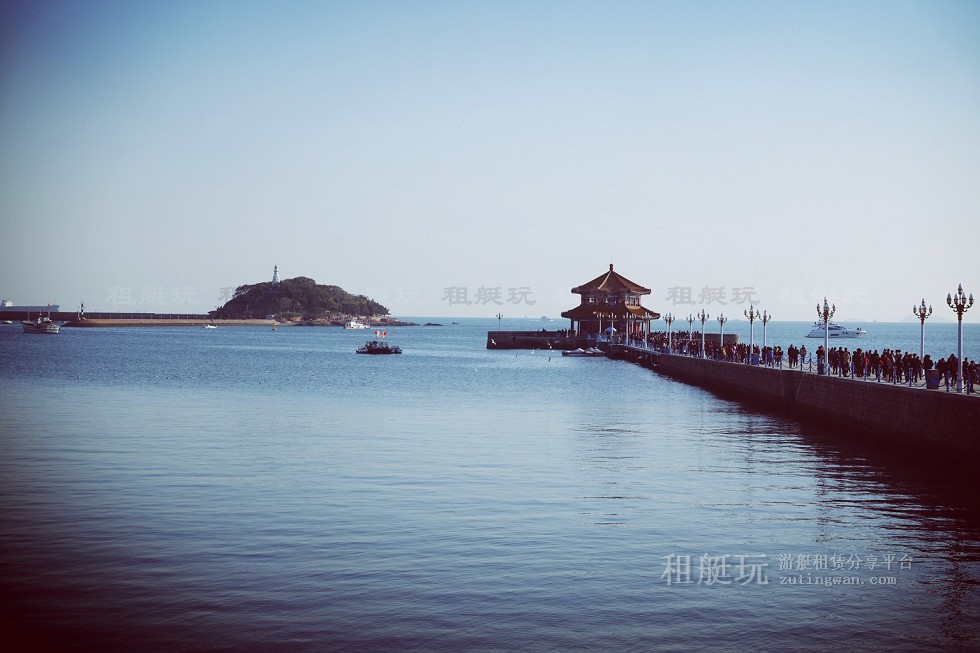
{"points": [[611, 282], [618, 310]]}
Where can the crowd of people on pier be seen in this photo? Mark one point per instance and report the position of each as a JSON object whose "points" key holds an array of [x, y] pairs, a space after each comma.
{"points": [[890, 366]]}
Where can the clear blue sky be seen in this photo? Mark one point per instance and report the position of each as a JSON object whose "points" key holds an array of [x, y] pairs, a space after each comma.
{"points": [[155, 154]]}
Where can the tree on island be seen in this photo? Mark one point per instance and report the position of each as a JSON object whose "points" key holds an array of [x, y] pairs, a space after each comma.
{"points": [[300, 296]]}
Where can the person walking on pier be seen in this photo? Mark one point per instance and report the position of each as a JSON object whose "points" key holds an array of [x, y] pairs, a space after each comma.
{"points": [[952, 370]]}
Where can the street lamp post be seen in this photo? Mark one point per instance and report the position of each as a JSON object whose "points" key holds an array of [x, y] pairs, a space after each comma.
{"points": [[922, 313], [721, 333], [825, 314], [960, 305], [704, 318], [690, 332], [765, 320], [753, 315], [669, 319]]}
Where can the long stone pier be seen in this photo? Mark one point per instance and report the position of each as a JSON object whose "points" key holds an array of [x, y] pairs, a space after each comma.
{"points": [[945, 423], [545, 339]]}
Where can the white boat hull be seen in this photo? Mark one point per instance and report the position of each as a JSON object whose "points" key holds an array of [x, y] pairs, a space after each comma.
{"points": [[41, 327], [836, 331]]}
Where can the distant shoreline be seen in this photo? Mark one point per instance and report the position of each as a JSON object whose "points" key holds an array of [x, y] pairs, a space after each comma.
{"points": [[198, 322], [182, 322]]}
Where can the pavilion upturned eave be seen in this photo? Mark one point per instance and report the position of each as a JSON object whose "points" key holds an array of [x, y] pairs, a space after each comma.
{"points": [[618, 311]]}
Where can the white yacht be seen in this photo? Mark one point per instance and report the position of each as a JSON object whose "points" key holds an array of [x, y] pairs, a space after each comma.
{"points": [[835, 330], [353, 323]]}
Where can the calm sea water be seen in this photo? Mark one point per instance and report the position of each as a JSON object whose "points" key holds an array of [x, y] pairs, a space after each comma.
{"points": [[244, 489]]}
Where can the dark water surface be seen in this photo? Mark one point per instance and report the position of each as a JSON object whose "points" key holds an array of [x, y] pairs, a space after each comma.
{"points": [[243, 489]]}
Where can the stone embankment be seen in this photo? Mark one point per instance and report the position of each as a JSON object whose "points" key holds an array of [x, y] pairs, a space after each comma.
{"points": [[946, 423], [541, 339], [198, 321], [124, 322]]}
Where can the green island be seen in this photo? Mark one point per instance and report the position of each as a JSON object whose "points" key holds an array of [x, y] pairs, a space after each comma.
{"points": [[300, 300]]}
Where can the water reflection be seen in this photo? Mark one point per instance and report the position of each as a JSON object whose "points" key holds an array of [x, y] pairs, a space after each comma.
{"points": [[477, 502]]}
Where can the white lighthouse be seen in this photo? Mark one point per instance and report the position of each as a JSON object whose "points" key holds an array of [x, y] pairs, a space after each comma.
{"points": [[275, 275]]}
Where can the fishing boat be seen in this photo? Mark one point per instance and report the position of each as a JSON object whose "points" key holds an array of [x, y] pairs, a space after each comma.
{"points": [[378, 347], [835, 330], [41, 325]]}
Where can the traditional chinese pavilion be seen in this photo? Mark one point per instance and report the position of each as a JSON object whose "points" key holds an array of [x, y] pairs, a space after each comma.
{"points": [[611, 304]]}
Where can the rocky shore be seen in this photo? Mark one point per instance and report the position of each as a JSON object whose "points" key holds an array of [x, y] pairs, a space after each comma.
{"points": [[374, 323]]}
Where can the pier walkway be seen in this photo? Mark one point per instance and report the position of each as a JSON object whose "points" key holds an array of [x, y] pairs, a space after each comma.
{"points": [[639, 352], [942, 423]]}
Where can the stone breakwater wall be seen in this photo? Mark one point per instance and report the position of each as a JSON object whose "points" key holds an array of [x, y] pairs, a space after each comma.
{"points": [[943, 422], [545, 339], [541, 339], [88, 323]]}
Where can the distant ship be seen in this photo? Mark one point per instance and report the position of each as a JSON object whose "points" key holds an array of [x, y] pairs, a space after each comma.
{"points": [[355, 324], [835, 331], [7, 305]]}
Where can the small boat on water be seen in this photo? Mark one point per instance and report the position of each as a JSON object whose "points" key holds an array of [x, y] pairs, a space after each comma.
{"points": [[354, 323], [41, 325], [591, 351], [835, 330], [378, 347], [210, 326]]}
